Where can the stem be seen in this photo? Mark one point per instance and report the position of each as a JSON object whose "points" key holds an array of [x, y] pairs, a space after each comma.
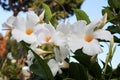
{"points": [[106, 63]]}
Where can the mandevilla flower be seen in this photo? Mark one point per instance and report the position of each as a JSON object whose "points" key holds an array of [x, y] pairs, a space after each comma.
{"points": [[56, 64], [46, 34], [25, 30], [85, 37]]}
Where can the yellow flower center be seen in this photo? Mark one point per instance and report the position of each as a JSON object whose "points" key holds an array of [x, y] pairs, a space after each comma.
{"points": [[89, 38], [47, 39], [29, 31]]}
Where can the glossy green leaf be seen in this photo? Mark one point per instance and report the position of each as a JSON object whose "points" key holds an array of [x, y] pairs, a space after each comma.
{"points": [[48, 13], [44, 66], [82, 58], [78, 71], [114, 29], [95, 70], [38, 70], [81, 15]]}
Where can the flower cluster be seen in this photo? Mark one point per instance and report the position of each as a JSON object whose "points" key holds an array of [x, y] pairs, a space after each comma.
{"points": [[56, 43]]}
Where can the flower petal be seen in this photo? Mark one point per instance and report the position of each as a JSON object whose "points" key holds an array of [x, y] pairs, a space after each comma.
{"points": [[54, 67], [64, 28], [92, 48], [90, 27], [17, 35], [19, 23], [103, 35], [59, 39], [9, 23], [50, 28], [32, 19], [20, 35], [60, 53], [75, 42], [78, 26]]}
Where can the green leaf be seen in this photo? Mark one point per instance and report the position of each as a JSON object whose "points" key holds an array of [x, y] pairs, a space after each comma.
{"points": [[48, 13], [38, 70], [109, 12], [114, 29], [116, 39], [82, 58], [78, 71], [81, 15], [53, 21], [114, 3], [43, 65], [95, 70], [116, 72]]}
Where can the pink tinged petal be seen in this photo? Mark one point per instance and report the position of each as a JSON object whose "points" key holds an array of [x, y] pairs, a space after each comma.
{"points": [[103, 35], [75, 43], [9, 23], [19, 23], [54, 67], [92, 48], [32, 19]]}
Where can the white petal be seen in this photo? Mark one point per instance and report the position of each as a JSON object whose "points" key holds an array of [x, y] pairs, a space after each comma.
{"points": [[64, 28], [32, 19], [75, 42], [20, 35], [103, 35], [59, 39], [54, 66], [9, 23], [17, 35], [61, 53], [64, 52], [30, 58], [50, 28], [19, 23], [92, 48], [79, 26], [93, 25], [30, 38]]}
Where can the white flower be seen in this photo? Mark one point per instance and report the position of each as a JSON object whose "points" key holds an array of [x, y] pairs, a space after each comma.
{"points": [[30, 58], [54, 67], [25, 30], [85, 36], [56, 64], [61, 53], [9, 23], [47, 35]]}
